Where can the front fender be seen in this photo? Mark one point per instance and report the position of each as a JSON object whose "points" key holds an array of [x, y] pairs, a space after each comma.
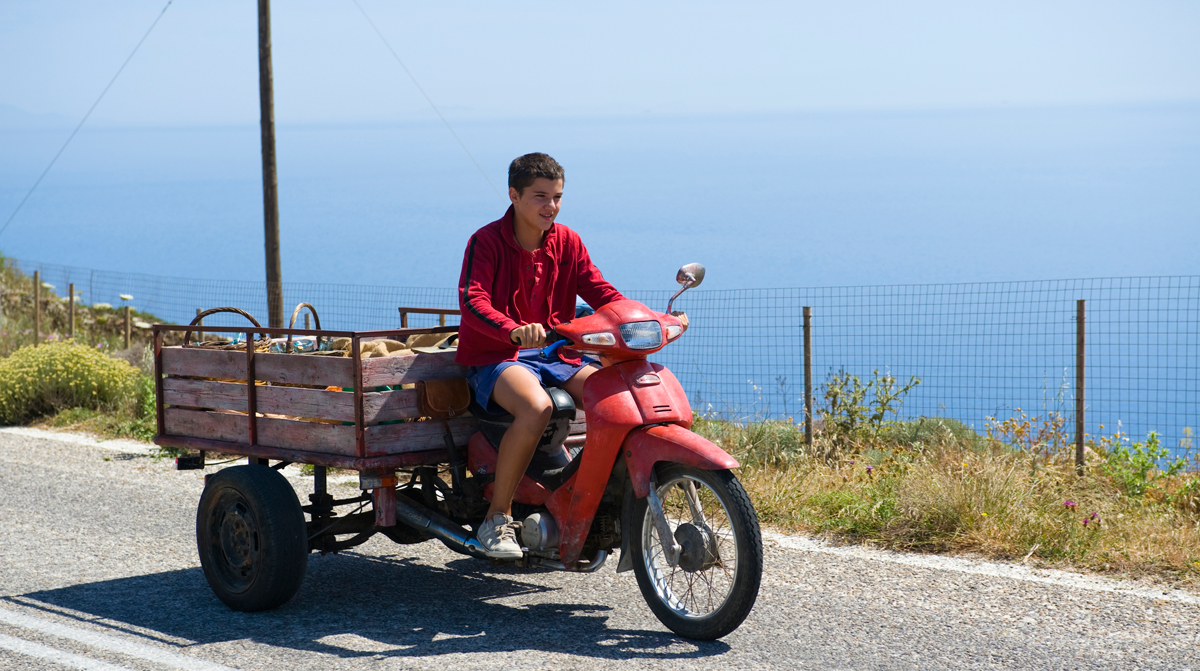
{"points": [[671, 443]]}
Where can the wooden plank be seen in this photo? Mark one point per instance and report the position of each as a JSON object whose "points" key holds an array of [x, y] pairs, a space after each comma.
{"points": [[196, 362], [306, 436], [394, 370], [204, 394], [382, 406], [314, 371], [298, 402], [209, 425], [416, 436]]}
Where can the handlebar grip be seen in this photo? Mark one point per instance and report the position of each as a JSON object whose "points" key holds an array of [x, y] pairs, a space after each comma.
{"points": [[554, 342]]}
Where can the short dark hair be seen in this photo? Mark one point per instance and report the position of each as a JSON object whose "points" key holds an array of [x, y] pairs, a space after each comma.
{"points": [[524, 169]]}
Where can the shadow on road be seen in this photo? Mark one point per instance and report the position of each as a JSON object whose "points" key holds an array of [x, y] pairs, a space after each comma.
{"points": [[360, 606]]}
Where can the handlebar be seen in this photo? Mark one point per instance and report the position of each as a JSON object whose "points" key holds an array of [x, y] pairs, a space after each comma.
{"points": [[554, 342]]}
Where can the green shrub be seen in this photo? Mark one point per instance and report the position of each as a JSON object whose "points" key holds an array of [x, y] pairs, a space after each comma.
{"points": [[36, 381], [1135, 467]]}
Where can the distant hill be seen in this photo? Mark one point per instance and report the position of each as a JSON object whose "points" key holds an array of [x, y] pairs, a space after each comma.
{"points": [[15, 118]]}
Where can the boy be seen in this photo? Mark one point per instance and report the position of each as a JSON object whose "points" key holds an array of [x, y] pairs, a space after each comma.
{"points": [[520, 276]]}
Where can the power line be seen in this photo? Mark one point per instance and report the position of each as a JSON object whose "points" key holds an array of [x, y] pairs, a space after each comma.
{"points": [[427, 98], [85, 118]]}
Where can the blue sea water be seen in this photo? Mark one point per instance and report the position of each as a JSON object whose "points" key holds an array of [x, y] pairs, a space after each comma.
{"points": [[883, 201], [767, 201]]}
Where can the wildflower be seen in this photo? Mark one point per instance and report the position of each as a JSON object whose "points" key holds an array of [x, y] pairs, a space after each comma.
{"points": [[869, 469], [1069, 504], [852, 463], [1085, 521], [984, 514], [1093, 515], [126, 297]]}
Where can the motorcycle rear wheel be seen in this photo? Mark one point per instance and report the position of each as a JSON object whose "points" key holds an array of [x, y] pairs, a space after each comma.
{"points": [[712, 588]]}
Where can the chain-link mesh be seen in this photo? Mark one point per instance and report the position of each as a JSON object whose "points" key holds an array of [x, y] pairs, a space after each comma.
{"points": [[980, 350]]}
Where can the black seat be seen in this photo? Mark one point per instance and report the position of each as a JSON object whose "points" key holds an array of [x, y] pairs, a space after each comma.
{"points": [[550, 464]]}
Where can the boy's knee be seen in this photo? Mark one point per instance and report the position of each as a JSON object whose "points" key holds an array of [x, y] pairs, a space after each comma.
{"points": [[537, 408]]}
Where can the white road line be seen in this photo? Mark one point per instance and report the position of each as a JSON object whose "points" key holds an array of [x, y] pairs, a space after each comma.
{"points": [[986, 568], [31, 649], [110, 643], [115, 445]]}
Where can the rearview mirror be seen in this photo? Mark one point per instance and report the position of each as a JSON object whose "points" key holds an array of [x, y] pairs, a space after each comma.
{"points": [[690, 275]]}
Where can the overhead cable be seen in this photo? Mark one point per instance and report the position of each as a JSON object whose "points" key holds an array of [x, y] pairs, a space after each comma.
{"points": [[427, 98], [84, 119]]}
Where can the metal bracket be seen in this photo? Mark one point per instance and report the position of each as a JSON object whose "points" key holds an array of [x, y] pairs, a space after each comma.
{"points": [[670, 548]]}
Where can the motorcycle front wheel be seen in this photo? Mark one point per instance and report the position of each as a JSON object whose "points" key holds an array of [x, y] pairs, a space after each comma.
{"points": [[714, 583]]}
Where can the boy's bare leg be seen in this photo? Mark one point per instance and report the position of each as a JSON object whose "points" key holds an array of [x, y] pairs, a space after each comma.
{"points": [[574, 386], [519, 392]]}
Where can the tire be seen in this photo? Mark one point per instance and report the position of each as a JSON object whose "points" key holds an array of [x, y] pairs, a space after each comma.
{"points": [[252, 539], [703, 597]]}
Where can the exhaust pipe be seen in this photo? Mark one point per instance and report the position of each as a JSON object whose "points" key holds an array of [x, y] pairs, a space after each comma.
{"points": [[449, 533], [455, 537]]}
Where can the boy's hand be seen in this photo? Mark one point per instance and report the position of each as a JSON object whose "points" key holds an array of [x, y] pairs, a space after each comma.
{"points": [[682, 317], [527, 336]]}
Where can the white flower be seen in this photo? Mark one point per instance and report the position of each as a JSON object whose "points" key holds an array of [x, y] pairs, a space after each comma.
{"points": [[126, 297], [102, 306], [47, 285], [141, 325]]}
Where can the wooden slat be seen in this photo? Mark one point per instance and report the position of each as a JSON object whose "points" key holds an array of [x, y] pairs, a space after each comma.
{"points": [[416, 436], [208, 425], [307, 436], [316, 371], [195, 362], [204, 394], [382, 406], [393, 370], [298, 402]]}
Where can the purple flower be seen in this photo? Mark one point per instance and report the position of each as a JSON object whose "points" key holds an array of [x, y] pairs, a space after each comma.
{"points": [[1094, 516], [1069, 504], [852, 463], [1085, 521], [869, 469]]}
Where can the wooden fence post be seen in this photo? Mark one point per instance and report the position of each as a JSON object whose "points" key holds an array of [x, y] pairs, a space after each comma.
{"points": [[37, 307], [1080, 311], [128, 325], [199, 322], [71, 310], [808, 387], [306, 326]]}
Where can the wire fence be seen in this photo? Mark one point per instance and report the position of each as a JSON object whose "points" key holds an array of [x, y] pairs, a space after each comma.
{"points": [[981, 350]]}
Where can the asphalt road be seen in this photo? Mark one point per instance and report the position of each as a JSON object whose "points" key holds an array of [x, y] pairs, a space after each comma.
{"points": [[98, 570]]}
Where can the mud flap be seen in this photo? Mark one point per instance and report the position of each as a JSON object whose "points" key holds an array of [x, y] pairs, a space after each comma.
{"points": [[626, 563]]}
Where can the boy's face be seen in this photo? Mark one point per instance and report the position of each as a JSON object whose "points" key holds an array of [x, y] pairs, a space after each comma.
{"points": [[538, 205]]}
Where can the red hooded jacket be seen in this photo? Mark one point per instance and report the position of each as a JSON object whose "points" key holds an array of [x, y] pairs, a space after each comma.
{"points": [[490, 279]]}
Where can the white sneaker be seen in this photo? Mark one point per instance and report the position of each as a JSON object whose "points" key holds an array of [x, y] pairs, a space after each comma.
{"points": [[498, 536]]}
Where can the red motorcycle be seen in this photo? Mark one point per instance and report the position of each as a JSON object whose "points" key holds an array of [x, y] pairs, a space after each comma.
{"points": [[642, 481]]}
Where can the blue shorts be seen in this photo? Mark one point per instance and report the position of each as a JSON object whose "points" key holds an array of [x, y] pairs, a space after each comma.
{"points": [[552, 371]]}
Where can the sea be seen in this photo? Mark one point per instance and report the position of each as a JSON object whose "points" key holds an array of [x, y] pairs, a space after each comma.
{"points": [[947, 244]]}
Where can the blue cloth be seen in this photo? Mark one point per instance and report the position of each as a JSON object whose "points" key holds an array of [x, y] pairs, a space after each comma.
{"points": [[552, 371]]}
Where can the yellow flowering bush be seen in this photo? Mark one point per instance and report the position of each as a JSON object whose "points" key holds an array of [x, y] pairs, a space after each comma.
{"points": [[40, 380]]}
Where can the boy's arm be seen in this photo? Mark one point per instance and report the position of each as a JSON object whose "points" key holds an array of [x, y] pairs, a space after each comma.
{"points": [[592, 287], [475, 293]]}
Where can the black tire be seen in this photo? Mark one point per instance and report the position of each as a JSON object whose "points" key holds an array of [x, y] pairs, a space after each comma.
{"points": [[252, 538], [730, 594]]}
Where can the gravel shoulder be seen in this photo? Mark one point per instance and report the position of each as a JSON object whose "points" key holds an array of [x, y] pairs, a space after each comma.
{"points": [[98, 537]]}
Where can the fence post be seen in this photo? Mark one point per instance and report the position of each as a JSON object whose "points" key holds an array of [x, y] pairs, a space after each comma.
{"points": [[199, 322], [306, 326], [1079, 384], [37, 306], [808, 394], [71, 310], [128, 310]]}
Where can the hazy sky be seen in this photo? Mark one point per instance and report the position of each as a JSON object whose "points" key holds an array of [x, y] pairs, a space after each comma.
{"points": [[488, 60]]}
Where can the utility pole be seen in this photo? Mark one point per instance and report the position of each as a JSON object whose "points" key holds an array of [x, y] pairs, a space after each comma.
{"points": [[266, 98]]}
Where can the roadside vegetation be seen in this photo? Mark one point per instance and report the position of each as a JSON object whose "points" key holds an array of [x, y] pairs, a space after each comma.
{"points": [[935, 485], [924, 485]]}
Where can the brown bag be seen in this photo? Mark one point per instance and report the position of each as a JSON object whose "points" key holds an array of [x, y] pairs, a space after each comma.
{"points": [[444, 398]]}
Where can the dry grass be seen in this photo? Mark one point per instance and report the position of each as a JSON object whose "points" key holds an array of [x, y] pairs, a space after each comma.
{"points": [[935, 486]]}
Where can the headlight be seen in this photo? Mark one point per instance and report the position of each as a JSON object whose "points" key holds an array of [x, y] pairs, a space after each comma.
{"points": [[600, 339], [642, 335]]}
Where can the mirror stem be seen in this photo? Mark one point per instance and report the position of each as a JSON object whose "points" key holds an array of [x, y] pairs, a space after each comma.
{"points": [[681, 290]]}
